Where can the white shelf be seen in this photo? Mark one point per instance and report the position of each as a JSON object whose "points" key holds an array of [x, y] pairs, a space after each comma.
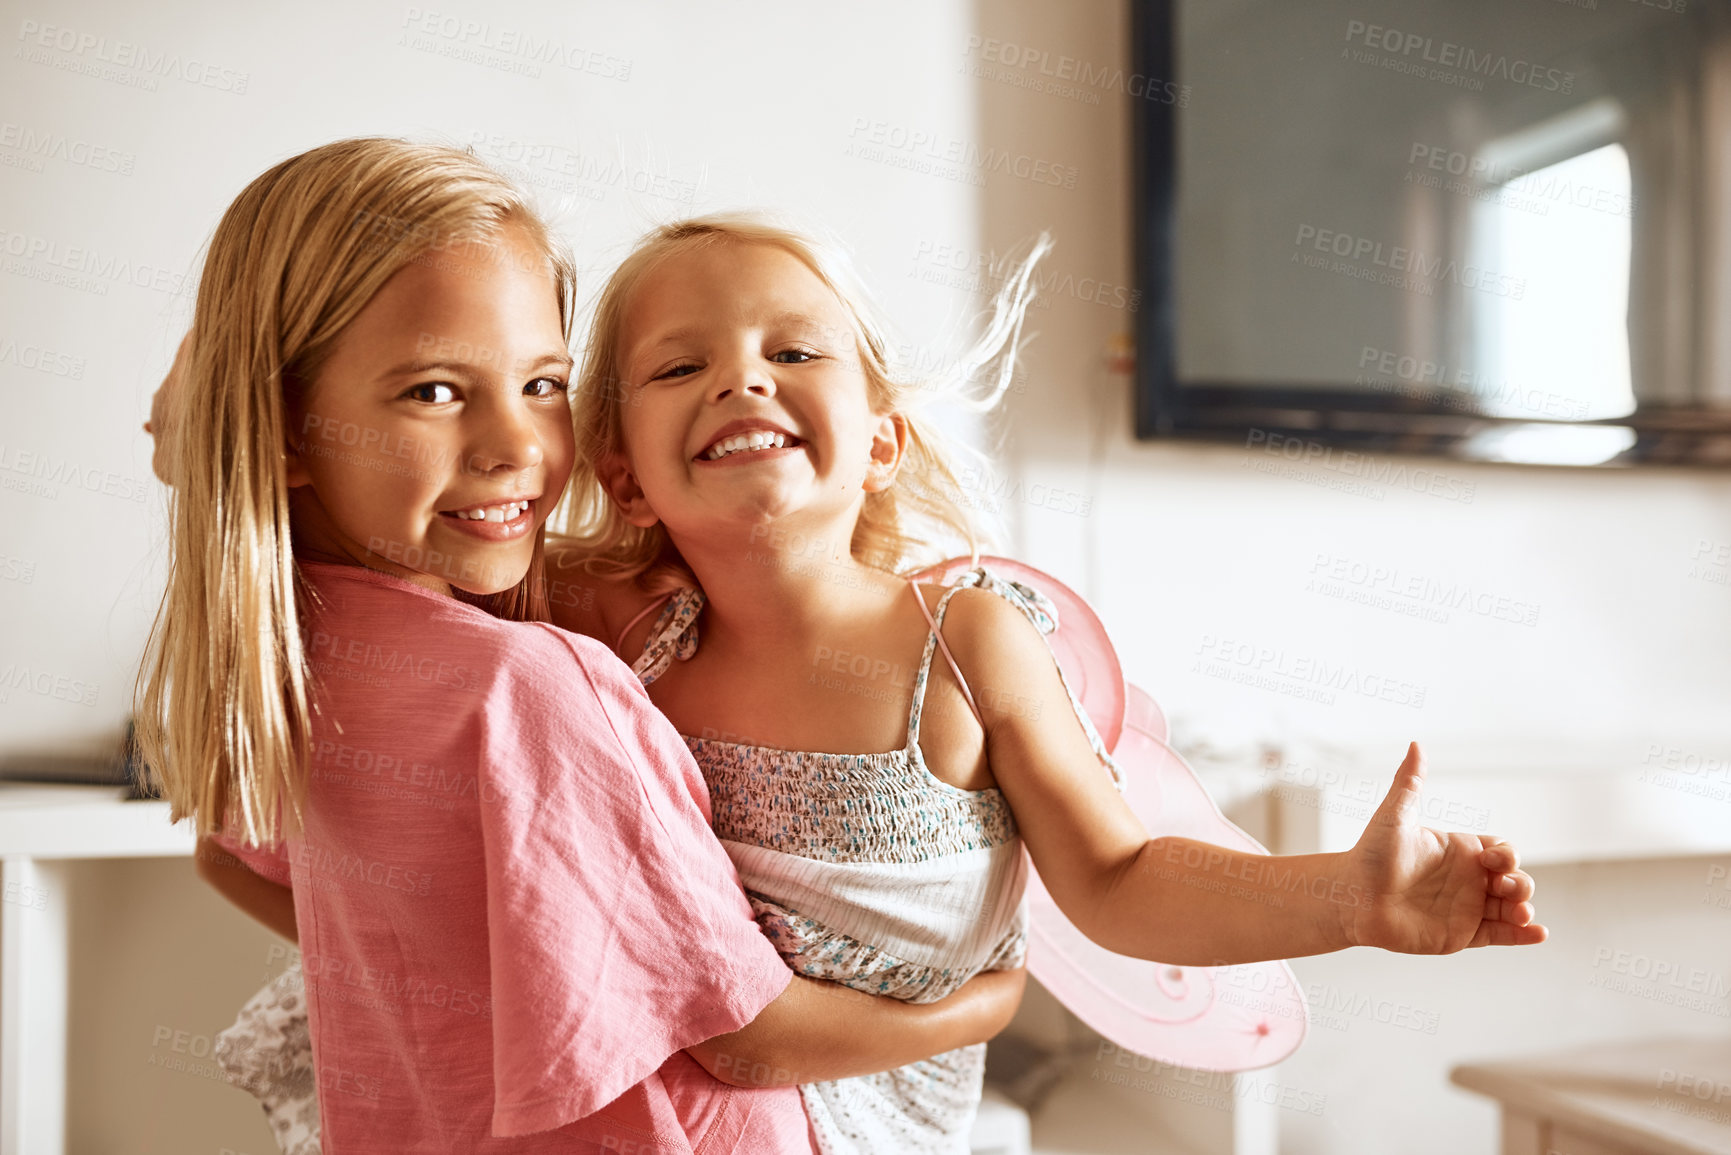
{"points": [[50, 822], [1561, 801], [41, 827], [1550, 817]]}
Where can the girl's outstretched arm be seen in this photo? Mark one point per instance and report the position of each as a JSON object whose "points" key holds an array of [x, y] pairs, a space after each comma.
{"points": [[818, 1031], [1178, 900], [265, 900]]}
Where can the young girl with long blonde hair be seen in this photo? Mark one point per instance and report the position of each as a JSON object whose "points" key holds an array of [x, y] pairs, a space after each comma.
{"points": [[514, 919], [752, 462]]}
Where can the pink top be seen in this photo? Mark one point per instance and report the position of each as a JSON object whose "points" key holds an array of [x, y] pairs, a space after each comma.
{"points": [[513, 913]]}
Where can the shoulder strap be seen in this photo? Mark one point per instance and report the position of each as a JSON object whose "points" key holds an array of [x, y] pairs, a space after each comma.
{"points": [[925, 661], [934, 640], [1040, 611], [674, 634], [619, 642]]}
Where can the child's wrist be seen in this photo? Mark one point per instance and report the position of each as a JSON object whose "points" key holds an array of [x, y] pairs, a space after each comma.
{"points": [[1348, 900]]}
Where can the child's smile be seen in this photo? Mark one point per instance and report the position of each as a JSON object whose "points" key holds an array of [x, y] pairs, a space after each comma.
{"points": [[740, 440], [500, 521]]}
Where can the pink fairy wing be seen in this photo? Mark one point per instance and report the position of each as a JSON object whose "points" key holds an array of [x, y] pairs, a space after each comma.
{"points": [[1235, 1018], [1083, 650], [1145, 714]]}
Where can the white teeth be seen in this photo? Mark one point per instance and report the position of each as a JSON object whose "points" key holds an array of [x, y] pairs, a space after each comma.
{"points": [[499, 513], [740, 442]]}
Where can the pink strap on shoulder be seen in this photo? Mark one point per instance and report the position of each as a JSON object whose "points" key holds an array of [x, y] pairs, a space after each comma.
{"points": [[925, 612], [646, 611]]}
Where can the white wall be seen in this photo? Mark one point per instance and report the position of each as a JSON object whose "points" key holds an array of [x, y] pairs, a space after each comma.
{"points": [[759, 104]]}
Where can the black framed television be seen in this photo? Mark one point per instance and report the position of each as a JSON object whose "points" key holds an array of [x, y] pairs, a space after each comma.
{"points": [[1487, 229]]}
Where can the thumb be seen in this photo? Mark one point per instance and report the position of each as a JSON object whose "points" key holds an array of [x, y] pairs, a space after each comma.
{"points": [[1403, 793]]}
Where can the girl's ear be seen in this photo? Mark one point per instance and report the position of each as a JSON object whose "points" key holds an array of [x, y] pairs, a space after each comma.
{"points": [[889, 443], [295, 466], [621, 485], [294, 440], [294, 453]]}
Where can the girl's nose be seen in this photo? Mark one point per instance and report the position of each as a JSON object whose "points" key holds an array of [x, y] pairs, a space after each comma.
{"points": [[748, 375], [509, 441]]}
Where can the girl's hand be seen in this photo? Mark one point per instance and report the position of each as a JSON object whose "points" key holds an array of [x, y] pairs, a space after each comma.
{"points": [[1427, 892]]}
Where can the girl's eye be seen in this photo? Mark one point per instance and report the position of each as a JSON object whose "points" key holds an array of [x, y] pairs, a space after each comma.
{"points": [[431, 392], [787, 356], [544, 387], [677, 371]]}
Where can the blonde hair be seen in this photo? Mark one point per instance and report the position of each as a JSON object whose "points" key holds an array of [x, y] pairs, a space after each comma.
{"points": [[224, 704], [914, 522]]}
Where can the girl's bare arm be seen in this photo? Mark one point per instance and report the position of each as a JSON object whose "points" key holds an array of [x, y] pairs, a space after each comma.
{"points": [[1191, 903], [258, 896], [817, 1031]]}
